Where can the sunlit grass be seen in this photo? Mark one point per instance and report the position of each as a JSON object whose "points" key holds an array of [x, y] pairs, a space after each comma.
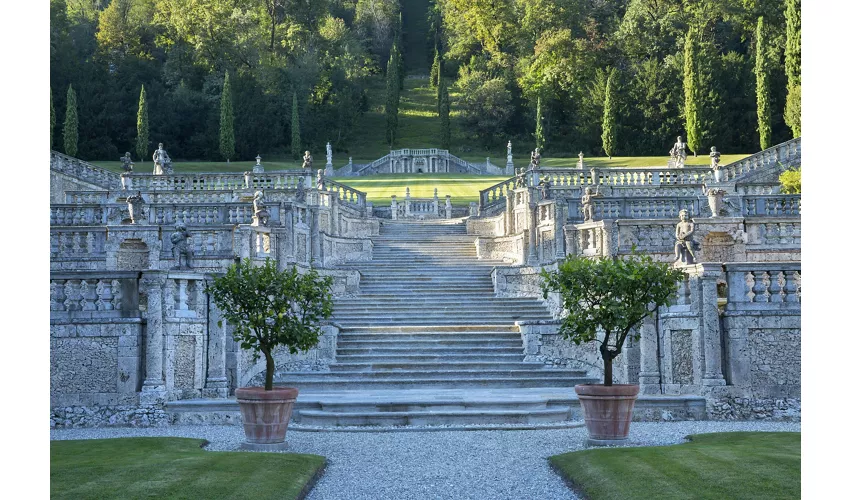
{"points": [[463, 188]]}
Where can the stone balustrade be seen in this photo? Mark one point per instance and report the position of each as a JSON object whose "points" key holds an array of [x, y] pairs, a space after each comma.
{"points": [[347, 195], [219, 182], [787, 153], [84, 171], [771, 205], [83, 294], [763, 285], [492, 198]]}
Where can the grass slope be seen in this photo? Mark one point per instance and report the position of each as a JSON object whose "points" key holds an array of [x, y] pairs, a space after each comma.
{"points": [[463, 188], [740, 465], [173, 468]]}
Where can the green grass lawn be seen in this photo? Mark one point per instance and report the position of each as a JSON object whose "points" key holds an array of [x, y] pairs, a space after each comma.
{"points": [[739, 465], [173, 468], [463, 188]]}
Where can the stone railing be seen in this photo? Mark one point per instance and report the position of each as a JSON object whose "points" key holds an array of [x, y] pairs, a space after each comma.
{"points": [[218, 182], [84, 171], [786, 153], [347, 195], [771, 205], [763, 285], [490, 199], [77, 243], [198, 214], [626, 177], [84, 294]]}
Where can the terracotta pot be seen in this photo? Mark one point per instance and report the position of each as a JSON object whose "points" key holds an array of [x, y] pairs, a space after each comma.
{"points": [[607, 410], [266, 414]]}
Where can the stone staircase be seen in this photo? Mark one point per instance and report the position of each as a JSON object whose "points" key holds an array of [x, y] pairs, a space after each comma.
{"points": [[427, 343]]}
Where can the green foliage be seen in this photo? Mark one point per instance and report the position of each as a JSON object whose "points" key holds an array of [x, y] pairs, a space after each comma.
{"points": [[227, 141], [762, 87], [539, 138], [142, 127], [269, 308], [295, 139], [70, 133], [793, 68], [444, 111], [693, 95], [613, 296], [393, 95], [435, 69], [791, 181], [52, 118], [609, 124], [487, 102]]}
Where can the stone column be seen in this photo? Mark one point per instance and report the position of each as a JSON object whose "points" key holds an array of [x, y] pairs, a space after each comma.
{"points": [[394, 208], [570, 244], [710, 324], [509, 212], [153, 388], [649, 377], [216, 382], [531, 218], [560, 252]]}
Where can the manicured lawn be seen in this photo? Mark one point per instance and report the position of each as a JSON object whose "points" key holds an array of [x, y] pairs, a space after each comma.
{"points": [[739, 465], [463, 188], [173, 468]]}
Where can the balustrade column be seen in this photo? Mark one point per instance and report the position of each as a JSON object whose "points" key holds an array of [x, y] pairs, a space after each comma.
{"points": [[216, 382], [153, 388], [710, 319]]}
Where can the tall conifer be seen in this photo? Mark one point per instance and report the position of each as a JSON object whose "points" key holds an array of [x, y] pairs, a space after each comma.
{"points": [[52, 118], [539, 139], [227, 140], [295, 142], [693, 99], [391, 110], [609, 125], [70, 133], [435, 69], [793, 67], [762, 87], [142, 131], [444, 110]]}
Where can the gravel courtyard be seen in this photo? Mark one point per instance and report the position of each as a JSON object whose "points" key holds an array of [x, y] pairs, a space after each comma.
{"points": [[437, 464]]}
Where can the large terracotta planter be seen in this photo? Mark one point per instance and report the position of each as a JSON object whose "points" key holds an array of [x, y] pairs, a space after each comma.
{"points": [[607, 411], [265, 415]]}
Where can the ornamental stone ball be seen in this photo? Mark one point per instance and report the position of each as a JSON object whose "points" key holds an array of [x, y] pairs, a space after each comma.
{"points": [[684, 247], [180, 247]]}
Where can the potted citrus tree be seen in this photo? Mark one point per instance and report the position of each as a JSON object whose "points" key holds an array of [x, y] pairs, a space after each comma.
{"points": [[268, 308], [605, 301]]}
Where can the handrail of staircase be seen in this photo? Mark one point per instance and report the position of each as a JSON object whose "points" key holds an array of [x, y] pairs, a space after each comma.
{"points": [[782, 153], [84, 170], [347, 194], [497, 192]]}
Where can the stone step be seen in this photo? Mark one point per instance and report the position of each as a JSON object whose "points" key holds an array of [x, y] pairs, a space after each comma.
{"points": [[356, 383], [391, 375], [449, 299], [435, 366], [351, 323], [497, 357], [440, 328], [366, 307], [426, 344], [436, 351], [433, 417], [392, 337]]}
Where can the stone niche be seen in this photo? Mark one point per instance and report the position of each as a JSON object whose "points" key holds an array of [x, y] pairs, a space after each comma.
{"points": [[133, 255]]}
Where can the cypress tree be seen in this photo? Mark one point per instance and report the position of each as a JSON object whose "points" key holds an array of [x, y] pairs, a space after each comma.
{"points": [[609, 125], [762, 86], [296, 128], [71, 134], [435, 69], [52, 118], [538, 128], [399, 44], [392, 96], [439, 79], [443, 108], [792, 67], [693, 103], [227, 141], [142, 126]]}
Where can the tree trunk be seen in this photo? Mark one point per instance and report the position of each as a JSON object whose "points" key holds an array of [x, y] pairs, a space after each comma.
{"points": [[269, 370], [609, 371]]}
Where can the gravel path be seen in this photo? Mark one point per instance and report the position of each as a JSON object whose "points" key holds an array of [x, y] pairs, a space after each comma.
{"points": [[437, 465]]}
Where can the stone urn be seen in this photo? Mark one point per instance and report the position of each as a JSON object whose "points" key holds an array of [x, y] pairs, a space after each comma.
{"points": [[607, 411], [265, 416], [715, 201]]}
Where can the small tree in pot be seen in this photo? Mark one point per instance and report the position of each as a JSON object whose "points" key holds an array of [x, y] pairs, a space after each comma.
{"points": [[270, 308], [609, 298]]}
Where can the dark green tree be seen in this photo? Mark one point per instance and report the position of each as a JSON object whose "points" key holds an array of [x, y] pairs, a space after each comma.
{"points": [[226, 137], [142, 130], [391, 110], [444, 110], [793, 106], [399, 48], [609, 124], [295, 143], [52, 118], [611, 297], [435, 69], [693, 97], [268, 308], [762, 86], [71, 133], [539, 138]]}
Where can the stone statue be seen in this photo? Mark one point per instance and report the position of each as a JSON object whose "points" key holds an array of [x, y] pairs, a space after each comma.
{"points": [[684, 248], [320, 179], [715, 158], [587, 203], [308, 160], [300, 192], [261, 215], [127, 162], [180, 247], [135, 205], [510, 148], [678, 154], [329, 154], [545, 186], [535, 159], [580, 160], [162, 162]]}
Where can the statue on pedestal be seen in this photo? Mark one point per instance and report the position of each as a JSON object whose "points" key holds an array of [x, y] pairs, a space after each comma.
{"points": [[127, 162], [261, 215], [587, 203], [510, 149], [300, 193], [308, 161], [678, 154], [162, 162], [715, 162], [329, 154], [580, 163], [320, 179], [545, 187], [684, 248], [180, 247], [535, 159], [135, 205]]}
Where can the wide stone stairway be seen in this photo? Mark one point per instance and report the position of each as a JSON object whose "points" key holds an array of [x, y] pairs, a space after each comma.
{"points": [[426, 342]]}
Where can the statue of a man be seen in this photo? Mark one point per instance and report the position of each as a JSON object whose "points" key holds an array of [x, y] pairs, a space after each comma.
{"points": [[308, 160], [587, 203], [580, 159], [684, 248], [320, 179], [161, 162], [300, 193], [545, 186], [678, 154], [127, 162], [535, 159], [135, 205], [510, 148], [261, 215], [329, 153], [715, 158], [180, 247]]}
